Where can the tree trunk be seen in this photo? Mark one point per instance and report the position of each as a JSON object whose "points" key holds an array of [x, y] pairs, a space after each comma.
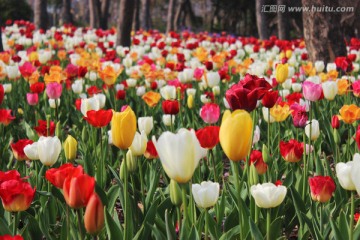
{"points": [[66, 12], [126, 12], [178, 14], [322, 32], [136, 20], [94, 13], [261, 19], [1, 45], [283, 21], [170, 16], [145, 15], [105, 5], [40, 14]]}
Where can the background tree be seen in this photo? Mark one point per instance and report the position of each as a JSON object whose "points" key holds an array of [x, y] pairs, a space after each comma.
{"points": [[94, 13], [322, 31], [136, 20], [262, 20], [40, 14], [170, 16], [66, 12], [283, 21], [1, 45], [145, 18], [126, 13]]}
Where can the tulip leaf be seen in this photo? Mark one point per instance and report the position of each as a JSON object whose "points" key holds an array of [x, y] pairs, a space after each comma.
{"points": [[335, 230], [170, 229], [30, 133], [44, 222], [56, 193], [157, 233], [344, 225], [189, 234], [289, 179], [150, 218], [4, 229], [112, 196], [213, 227], [101, 194], [255, 232], [43, 193], [112, 229], [357, 232], [231, 233], [275, 228]]}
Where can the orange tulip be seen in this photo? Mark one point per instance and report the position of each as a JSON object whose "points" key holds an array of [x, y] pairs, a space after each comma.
{"points": [[94, 215], [151, 98], [109, 75], [343, 86], [349, 113]]}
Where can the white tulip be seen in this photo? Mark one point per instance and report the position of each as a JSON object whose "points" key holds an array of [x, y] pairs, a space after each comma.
{"points": [[49, 149], [168, 92], [7, 87], [146, 124], [13, 72], [330, 89], [31, 151], [140, 91], [205, 194], [344, 172], [89, 104], [52, 102], [179, 153], [212, 79], [266, 115], [296, 87], [131, 82], [139, 144], [319, 66], [268, 195], [315, 130], [355, 173], [168, 119]]}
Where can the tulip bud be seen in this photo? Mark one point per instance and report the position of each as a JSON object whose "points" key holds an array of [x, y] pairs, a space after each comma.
{"points": [[265, 154], [335, 123], [190, 101], [336, 136], [70, 148], [254, 177], [282, 72], [58, 129], [131, 164], [175, 193], [94, 215]]}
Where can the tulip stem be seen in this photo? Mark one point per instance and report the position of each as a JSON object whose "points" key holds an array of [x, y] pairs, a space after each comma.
{"points": [[126, 209], [211, 155], [16, 222], [268, 222], [101, 162], [238, 190], [206, 224], [141, 183], [183, 194], [80, 224], [352, 212]]}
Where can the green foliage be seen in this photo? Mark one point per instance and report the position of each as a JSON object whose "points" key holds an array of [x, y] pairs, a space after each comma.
{"points": [[15, 10]]}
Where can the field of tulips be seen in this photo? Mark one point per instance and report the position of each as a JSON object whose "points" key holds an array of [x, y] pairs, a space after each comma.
{"points": [[180, 136]]}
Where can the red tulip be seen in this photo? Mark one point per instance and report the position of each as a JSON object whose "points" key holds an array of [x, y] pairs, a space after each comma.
{"points": [[57, 176], [77, 190], [335, 122], [99, 118], [299, 115], [2, 93], [121, 95], [291, 151], [9, 237], [170, 107], [27, 70], [37, 87], [210, 113], [270, 98], [42, 128], [150, 152], [208, 136], [258, 161], [93, 90], [94, 215], [9, 175], [322, 188], [344, 64], [293, 98], [357, 137], [16, 195], [18, 149], [5, 117]]}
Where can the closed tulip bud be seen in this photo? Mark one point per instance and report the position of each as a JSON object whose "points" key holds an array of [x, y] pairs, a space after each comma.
{"points": [[70, 148], [139, 143], [58, 129], [254, 177], [49, 149], [235, 124], [319, 66], [265, 154], [282, 71], [78, 189], [206, 194], [216, 90], [175, 193], [268, 195], [94, 215], [54, 102], [190, 101], [123, 128], [131, 164], [336, 136], [315, 130]]}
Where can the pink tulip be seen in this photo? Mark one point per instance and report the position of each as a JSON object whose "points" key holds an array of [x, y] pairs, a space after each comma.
{"points": [[198, 73], [27, 69], [312, 91], [210, 113], [53, 90], [32, 98]]}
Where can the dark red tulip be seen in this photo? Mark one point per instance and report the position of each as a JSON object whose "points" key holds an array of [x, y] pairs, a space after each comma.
{"points": [[99, 118], [170, 107]]}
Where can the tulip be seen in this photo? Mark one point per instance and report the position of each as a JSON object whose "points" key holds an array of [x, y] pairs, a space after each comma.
{"points": [[168, 92], [282, 72], [146, 124], [16, 195], [315, 130], [280, 113], [70, 148], [49, 149], [89, 104], [291, 151], [57, 176], [18, 149], [267, 117], [170, 107], [150, 152], [311, 91], [210, 113], [319, 66], [299, 115], [94, 215], [31, 151], [343, 86], [168, 119], [2, 93], [41, 129], [357, 137], [99, 118], [212, 79], [270, 99], [335, 122], [205, 194], [175, 193], [322, 188], [13, 72], [235, 124], [78, 189], [330, 89], [9, 237], [151, 98], [179, 154], [9, 175], [208, 136], [32, 98], [347, 173], [139, 143], [54, 90], [257, 160], [349, 113], [268, 195], [109, 75], [190, 101], [123, 128], [5, 117], [7, 87], [54, 102]]}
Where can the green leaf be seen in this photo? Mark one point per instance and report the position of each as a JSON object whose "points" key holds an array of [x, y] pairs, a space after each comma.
{"points": [[344, 225], [170, 229], [112, 229], [213, 227], [150, 218], [335, 230], [232, 233], [112, 196], [255, 232], [4, 229], [276, 228], [101, 194]]}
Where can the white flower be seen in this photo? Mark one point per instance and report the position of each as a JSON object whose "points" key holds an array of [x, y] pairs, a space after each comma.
{"points": [[330, 89], [179, 153], [168, 119], [89, 104], [31, 151], [268, 195], [355, 173], [52, 103], [315, 130], [168, 92], [139, 144], [49, 149], [211, 79], [206, 194], [344, 172], [319, 66], [146, 124]]}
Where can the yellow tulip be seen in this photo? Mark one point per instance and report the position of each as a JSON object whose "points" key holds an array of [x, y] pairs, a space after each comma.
{"points": [[236, 134], [280, 113], [70, 148], [190, 101], [123, 128], [282, 72]]}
